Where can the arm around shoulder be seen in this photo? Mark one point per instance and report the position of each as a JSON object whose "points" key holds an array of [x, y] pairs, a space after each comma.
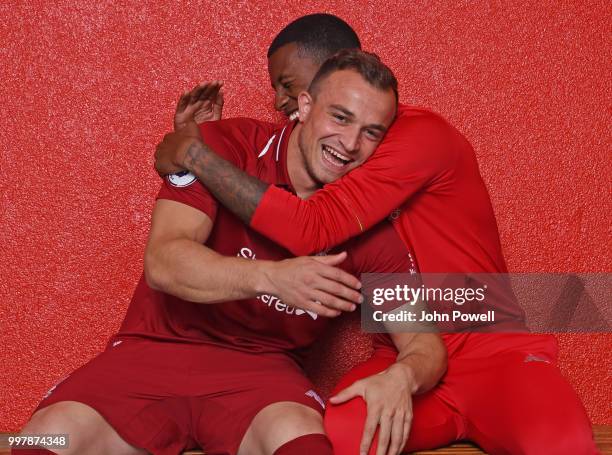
{"points": [[417, 152]]}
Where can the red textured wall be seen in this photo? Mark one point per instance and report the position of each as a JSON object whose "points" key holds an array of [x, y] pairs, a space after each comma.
{"points": [[88, 89]]}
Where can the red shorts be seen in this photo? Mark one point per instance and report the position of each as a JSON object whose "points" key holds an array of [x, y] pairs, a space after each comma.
{"points": [[167, 397], [503, 391]]}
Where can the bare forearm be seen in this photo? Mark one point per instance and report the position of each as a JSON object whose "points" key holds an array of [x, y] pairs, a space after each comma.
{"points": [[423, 359], [195, 273], [236, 190]]}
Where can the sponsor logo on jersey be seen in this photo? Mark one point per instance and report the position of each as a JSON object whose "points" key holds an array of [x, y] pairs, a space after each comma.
{"points": [[181, 179], [274, 302], [270, 300]]}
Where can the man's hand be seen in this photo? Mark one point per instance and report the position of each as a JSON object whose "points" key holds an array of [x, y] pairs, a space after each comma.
{"points": [[313, 284], [202, 104], [171, 152], [388, 396]]}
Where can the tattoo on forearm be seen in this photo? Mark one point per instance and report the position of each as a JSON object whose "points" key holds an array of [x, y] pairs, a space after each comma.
{"points": [[232, 187]]}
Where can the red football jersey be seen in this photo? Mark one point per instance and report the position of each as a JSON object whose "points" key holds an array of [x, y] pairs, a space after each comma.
{"points": [[264, 324], [425, 175]]}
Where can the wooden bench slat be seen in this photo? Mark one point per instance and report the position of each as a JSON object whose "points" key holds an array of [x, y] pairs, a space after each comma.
{"points": [[602, 433]]}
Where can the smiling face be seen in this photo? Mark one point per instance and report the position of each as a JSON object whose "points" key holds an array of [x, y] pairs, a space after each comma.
{"points": [[341, 124], [290, 74]]}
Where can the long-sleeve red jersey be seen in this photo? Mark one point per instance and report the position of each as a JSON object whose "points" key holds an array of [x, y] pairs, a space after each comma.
{"points": [[425, 176]]}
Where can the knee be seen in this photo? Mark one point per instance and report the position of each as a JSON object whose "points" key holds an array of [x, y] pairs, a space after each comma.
{"points": [[56, 418], [298, 421], [344, 425], [87, 430], [567, 438], [281, 423]]}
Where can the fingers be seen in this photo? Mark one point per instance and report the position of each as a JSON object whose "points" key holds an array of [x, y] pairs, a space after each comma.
{"points": [[197, 91], [406, 433], [321, 302], [317, 308], [333, 286], [369, 429], [220, 98], [345, 285], [336, 274], [397, 434], [206, 91], [352, 391], [392, 432], [301, 282], [331, 259], [192, 100], [327, 298], [204, 112], [182, 102], [213, 93], [384, 434], [202, 104], [218, 105], [170, 152]]}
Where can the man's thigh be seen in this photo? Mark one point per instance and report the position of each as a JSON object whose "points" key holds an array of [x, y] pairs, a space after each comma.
{"points": [[503, 392], [254, 386], [435, 423], [517, 402], [136, 386], [89, 432]]}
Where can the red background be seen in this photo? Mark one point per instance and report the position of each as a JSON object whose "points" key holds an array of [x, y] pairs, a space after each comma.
{"points": [[88, 89]]}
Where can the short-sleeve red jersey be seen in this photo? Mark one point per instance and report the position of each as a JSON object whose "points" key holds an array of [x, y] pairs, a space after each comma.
{"points": [[263, 324]]}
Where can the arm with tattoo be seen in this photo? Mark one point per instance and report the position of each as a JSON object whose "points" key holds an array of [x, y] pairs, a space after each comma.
{"points": [[340, 210], [185, 150], [231, 186]]}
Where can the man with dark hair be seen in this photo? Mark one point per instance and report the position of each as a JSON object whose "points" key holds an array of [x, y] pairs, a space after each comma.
{"points": [[502, 390], [210, 350], [300, 49], [315, 35]]}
